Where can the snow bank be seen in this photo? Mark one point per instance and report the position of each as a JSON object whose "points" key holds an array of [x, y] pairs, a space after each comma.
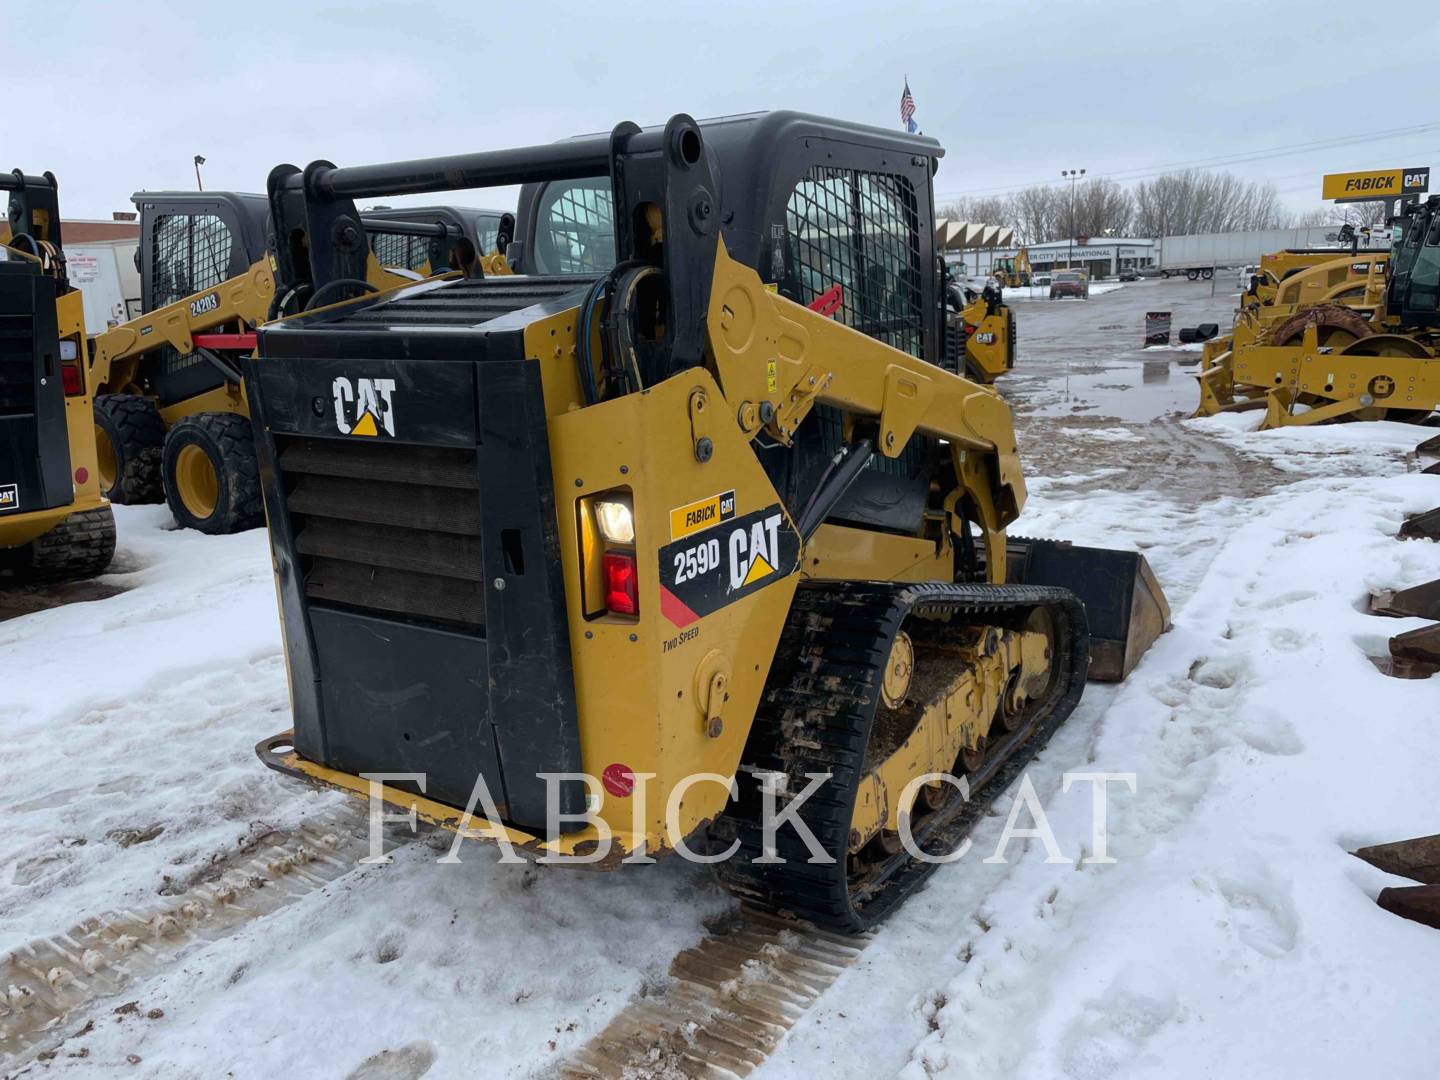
{"points": [[1234, 936]]}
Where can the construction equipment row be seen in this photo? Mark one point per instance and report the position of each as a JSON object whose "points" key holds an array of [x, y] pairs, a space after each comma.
{"points": [[1322, 336]]}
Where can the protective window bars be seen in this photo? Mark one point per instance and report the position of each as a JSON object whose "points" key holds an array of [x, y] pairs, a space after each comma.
{"points": [[192, 253], [399, 249], [859, 230], [578, 229]]}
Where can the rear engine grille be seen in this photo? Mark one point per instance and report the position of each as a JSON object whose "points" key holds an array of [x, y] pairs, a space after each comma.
{"points": [[17, 365], [387, 528]]}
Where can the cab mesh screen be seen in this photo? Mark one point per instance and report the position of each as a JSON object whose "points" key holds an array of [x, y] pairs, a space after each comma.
{"points": [[398, 249], [578, 229], [192, 253], [860, 231]]}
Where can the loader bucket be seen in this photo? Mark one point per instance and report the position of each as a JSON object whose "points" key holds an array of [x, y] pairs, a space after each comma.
{"points": [[1416, 654], [1424, 526], [1416, 602], [1123, 602]]}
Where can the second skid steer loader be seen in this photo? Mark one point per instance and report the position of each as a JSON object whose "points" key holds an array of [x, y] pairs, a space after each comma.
{"points": [[170, 418], [628, 551]]}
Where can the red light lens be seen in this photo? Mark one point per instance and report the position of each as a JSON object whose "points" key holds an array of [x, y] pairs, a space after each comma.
{"points": [[620, 584], [70, 376]]}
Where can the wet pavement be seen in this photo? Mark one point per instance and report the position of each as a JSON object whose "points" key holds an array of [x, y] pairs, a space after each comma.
{"points": [[1091, 400]]}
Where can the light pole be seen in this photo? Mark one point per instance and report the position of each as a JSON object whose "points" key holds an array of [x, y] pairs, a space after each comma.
{"points": [[1074, 175], [198, 162]]}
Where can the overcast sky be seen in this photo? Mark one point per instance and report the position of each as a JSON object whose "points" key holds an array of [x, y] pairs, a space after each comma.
{"points": [[115, 97]]}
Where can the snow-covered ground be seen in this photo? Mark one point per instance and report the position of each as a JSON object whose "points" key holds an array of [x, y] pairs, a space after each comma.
{"points": [[1233, 936]]}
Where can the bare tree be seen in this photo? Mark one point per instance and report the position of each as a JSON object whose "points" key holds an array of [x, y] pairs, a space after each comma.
{"points": [[1039, 214], [1102, 208], [1197, 201], [1366, 213], [992, 210]]}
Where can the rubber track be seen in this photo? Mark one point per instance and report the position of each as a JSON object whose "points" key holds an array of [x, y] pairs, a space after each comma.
{"points": [[815, 717]]}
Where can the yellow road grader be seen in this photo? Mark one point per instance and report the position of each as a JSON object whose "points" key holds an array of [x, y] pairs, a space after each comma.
{"points": [[171, 422], [1351, 337], [685, 522], [55, 524]]}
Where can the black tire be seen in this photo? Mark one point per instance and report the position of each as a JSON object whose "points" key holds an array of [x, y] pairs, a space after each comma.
{"points": [[1192, 275], [1207, 274], [79, 547], [130, 439], [228, 499]]}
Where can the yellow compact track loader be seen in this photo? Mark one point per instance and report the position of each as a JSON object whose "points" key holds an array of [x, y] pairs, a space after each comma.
{"points": [[55, 525], [684, 523], [979, 332], [171, 421], [1352, 337]]}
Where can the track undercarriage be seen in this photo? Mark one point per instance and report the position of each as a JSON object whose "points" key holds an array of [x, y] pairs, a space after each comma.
{"points": [[994, 670]]}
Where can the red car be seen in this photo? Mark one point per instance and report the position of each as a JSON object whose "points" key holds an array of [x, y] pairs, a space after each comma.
{"points": [[1074, 283]]}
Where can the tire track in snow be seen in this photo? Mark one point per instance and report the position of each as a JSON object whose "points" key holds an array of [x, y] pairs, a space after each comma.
{"points": [[52, 981], [730, 1000]]}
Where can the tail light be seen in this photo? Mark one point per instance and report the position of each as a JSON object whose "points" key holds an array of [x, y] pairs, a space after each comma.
{"points": [[70, 374], [621, 594], [970, 328]]}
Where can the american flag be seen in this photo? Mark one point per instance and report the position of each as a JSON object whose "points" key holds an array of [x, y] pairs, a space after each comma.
{"points": [[907, 110]]}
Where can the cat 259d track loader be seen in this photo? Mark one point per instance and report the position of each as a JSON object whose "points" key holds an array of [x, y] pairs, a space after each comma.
{"points": [[642, 512], [55, 525]]}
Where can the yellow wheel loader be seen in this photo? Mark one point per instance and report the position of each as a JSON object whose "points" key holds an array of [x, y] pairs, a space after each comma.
{"points": [[55, 525], [1352, 337], [682, 531], [170, 415]]}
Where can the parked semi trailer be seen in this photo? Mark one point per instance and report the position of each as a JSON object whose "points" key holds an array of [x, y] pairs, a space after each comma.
{"points": [[1200, 255]]}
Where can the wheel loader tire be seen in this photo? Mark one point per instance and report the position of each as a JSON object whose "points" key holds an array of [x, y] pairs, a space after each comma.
{"points": [[129, 442], [212, 481], [79, 547]]}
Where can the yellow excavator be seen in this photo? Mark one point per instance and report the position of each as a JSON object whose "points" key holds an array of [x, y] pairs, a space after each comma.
{"points": [[1351, 337], [1013, 272], [55, 524], [683, 526], [171, 421]]}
